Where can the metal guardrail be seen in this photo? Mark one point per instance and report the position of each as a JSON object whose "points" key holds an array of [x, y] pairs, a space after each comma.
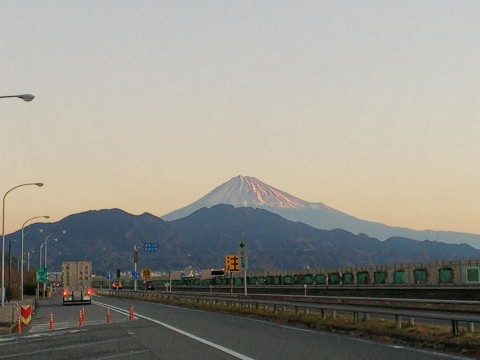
{"points": [[455, 317]]}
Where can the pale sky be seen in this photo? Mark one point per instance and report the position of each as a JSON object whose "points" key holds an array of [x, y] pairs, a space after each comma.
{"points": [[370, 107]]}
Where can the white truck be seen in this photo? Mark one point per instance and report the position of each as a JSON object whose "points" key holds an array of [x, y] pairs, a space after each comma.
{"points": [[77, 282]]}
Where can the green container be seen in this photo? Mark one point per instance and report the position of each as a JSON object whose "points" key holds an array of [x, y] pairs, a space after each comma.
{"points": [[308, 279], [380, 277], [421, 276], [348, 278], [287, 280], [473, 274], [334, 278], [320, 279], [238, 281], [261, 280], [363, 277], [253, 281], [399, 277], [206, 282], [297, 279], [445, 276]]}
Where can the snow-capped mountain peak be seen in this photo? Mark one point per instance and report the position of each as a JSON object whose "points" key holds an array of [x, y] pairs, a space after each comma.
{"points": [[246, 191]]}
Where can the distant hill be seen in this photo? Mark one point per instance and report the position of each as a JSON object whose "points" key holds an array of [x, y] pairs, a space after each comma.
{"points": [[246, 191], [202, 240]]}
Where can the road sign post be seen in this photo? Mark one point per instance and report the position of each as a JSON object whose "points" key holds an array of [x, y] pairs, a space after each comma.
{"points": [[135, 262], [232, 263], [244, 264], [109, 278]]}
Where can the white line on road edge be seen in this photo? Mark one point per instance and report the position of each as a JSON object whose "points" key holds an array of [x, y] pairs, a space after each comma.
{"points": [[60, 348], [191, 336]]}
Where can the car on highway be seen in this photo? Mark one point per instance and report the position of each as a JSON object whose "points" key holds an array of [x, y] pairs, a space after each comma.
{"points": [[117, 286], [150, 287]]}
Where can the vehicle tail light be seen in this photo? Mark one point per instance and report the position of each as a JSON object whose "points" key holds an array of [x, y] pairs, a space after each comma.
{"points": [[89, 292], [66, 293], [120, 286]]}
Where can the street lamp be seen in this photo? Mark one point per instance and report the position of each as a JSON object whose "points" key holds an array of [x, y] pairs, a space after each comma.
{"points": [[21, 272], [3, 236], [39, 269], [9, 292], [24, 97], [45, 257], [28, 257]]}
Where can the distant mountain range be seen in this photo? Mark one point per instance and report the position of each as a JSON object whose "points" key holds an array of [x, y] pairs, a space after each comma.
{"points": [[202, 239], [245, 191]]}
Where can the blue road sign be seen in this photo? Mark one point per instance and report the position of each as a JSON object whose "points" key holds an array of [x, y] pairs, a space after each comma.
{"points": [[150, 247], [136, 275], [109, 276]]}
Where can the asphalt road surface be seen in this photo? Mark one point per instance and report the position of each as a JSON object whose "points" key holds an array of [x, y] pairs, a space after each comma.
{"points": [[168, 332]]}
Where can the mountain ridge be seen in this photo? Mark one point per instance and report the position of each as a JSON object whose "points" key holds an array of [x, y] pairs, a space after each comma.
{"points": [[246, 191], [201, 240]]}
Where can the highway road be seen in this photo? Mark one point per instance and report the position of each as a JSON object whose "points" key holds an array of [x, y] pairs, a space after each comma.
{"points": [[168, 332]]}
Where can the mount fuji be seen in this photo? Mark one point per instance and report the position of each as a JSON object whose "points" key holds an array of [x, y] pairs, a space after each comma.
{"points": [[246, 191]]}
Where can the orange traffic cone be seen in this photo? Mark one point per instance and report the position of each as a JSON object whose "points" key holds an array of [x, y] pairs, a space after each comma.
{"points": [[132, 316], [51, 322], [108, 316], [80, 323], [19, 326]]}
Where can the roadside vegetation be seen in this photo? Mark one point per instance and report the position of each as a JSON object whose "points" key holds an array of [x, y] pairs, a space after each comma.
{"points": [[435, 337]]}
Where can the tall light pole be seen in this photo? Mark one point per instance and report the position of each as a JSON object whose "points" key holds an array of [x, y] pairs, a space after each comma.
{"points": [[28, 257], [21, 272], [3, 236], [45, 257], [9, 292], [24, 97], [39, 268]]}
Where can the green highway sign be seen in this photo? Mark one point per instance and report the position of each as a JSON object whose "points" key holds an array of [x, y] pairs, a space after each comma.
{"points": [[243, 255], [42, 275]]}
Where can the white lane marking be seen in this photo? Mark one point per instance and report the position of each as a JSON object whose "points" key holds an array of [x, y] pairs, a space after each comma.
{"points": [[61, 348], [191, 336], [61, 325], [127, 355]]}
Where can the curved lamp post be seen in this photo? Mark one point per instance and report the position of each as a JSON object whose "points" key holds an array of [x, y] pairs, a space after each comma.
{"points": [[24, 97], [9, 292], [3, 236], [45, 256], [21, 271], [32, 250]]}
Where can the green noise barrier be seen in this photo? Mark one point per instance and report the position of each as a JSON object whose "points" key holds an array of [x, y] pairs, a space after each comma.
{"points": [[380, 277], [297, 279], [348, 278], [445, 276], [334, 278], [420, 276], [399, 277], [320, 279], [363, 277], [308, 279]]}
